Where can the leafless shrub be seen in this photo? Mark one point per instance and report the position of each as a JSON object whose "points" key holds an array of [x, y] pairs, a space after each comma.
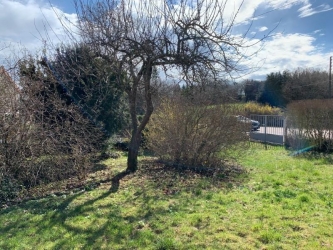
{"points": [[310, 123], [194, 135], [44, 137]]}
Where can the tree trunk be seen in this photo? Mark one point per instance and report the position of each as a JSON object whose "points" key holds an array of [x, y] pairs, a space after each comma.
{"points": [[132, 160], [133, 149]]}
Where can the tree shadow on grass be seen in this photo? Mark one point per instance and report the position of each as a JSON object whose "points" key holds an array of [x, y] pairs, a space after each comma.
{"points": [[115, 181], [49, 216], [107, 218], [80, 220]]}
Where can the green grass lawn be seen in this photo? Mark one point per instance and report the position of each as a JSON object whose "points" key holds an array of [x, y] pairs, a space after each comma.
{"points": [[279, 202]]}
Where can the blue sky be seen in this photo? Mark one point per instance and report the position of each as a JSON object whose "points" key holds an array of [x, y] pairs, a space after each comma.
{"points": [[301, 31]]}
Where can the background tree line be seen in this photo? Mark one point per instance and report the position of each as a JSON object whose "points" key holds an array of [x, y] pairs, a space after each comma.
{"points": [[281, 88]]}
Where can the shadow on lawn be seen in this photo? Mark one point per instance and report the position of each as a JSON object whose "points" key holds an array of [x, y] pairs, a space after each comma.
{"points": [[55, 215], [85, 221], [59, 224], [115, 181]]}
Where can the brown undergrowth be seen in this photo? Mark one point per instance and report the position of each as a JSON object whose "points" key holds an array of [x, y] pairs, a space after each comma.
{"points": [[165, 177]]}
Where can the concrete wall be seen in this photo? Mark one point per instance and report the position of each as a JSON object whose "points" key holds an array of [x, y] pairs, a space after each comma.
{"points": [[275, 139]]}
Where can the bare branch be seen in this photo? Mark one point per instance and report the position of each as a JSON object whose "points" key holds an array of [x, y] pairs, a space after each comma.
{"points": [[194, 37]]}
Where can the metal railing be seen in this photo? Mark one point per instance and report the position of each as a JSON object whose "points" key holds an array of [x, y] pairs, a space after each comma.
{"points": [[272, 129]]}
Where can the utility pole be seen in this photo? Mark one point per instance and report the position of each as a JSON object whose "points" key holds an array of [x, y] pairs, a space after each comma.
{"points": [[330, 79]]}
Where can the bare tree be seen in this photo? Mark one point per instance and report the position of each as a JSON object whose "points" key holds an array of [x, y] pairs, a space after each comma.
{"points": [[8, 92], [190, 37]]}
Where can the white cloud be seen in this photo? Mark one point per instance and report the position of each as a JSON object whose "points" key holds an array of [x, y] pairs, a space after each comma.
{"points": [[286, 52], [285, 4], [248, 11], [308, 10], [24, 22], [28, 23], [263, 28]]}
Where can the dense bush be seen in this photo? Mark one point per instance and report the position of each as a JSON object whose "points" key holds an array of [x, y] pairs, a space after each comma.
{"points": [[310, 124], [91, 83], [192, 134], [9, 188], [44, 136]]}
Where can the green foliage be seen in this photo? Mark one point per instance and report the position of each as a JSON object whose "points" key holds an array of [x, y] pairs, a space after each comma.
{"points": [[252, 90], [304, 198], [166, 244], [269, 236], [9, 188], [272, 93], [93, 86]]}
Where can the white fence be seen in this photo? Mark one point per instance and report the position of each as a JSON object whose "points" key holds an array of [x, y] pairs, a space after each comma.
{"points": [[272, 129]]}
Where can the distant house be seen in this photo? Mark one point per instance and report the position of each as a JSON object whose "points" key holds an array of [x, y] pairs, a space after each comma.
{"points": [[9, 93]]}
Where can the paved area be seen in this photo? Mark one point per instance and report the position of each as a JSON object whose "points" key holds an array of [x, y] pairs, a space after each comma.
{"points": [[270, 130], [273, 135]]}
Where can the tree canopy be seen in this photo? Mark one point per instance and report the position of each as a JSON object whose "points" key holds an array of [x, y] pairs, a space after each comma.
{"points": [[92, 85], [281, 88], [193, 38]]}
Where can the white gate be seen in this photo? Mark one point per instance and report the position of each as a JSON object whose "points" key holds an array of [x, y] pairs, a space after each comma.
{"points": [[272, 129]]}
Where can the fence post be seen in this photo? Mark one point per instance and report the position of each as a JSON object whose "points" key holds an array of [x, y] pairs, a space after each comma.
{"points": [[284, 130], [265, 132]]}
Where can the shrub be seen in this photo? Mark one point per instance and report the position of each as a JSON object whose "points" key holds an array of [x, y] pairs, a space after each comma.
{"points": [[260, 109], [44, 135], [192, 134], [310, 124], [9, 188]]}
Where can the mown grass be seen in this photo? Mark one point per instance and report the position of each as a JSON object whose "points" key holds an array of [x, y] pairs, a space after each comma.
{"points": [[278, 202]]}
